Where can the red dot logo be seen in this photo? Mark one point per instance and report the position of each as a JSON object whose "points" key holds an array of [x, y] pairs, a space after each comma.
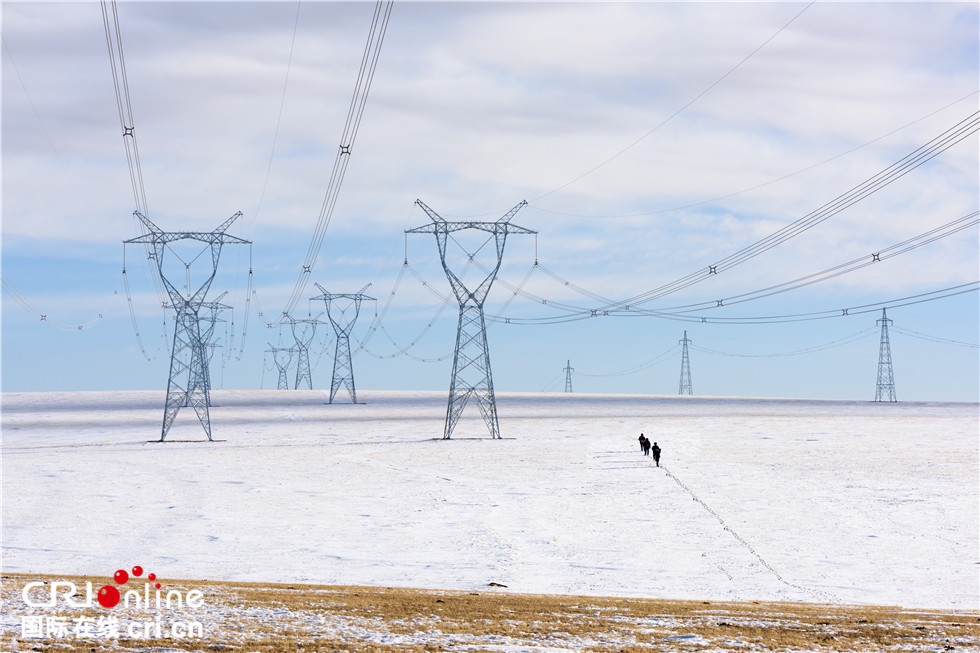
{"points": [[152, 576], [121, 577], [137, 571], [108, 596]]}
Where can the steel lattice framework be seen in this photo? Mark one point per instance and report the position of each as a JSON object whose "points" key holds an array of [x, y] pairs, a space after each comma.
{"points": [[208, 317], [303, 332], [471, 377], [685, 387], [343, 366], [282, 357], [189, 382], [568, 376], [885, 388]]}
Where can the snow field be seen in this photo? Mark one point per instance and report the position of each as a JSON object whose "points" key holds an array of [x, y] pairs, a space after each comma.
{"points": [[850, 502]]}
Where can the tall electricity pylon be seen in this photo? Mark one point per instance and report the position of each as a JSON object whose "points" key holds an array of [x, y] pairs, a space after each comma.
{"points": [[885, 388], [343, 367], [189, 382], [303, 332], [685, 386], [282, 357], [568, 376], [472, 377]]}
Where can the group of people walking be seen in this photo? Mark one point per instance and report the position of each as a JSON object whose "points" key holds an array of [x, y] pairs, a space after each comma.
{"points": [[646, 448]]}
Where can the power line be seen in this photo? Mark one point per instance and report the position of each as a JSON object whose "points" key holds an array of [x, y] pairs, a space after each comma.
{"points": [[127, 123], [678, 111], [909, 300], [945, 341], [124, 105], [889, 175], [934, 295], [282, 104], [765, 183], [840, 342], [662, 358], [25, 303], [369, 62], [960, 224], [951, 228]]}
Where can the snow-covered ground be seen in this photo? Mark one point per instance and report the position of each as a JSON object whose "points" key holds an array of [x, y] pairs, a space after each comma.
{"points": [[824, 501]]}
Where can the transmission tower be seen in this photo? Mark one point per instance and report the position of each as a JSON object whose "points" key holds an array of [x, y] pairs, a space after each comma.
{"points": [[471, 377], [568, 376], [685, 386], [282, 357], [189, 383], [885, 389], [343, 367], [303, 332]]}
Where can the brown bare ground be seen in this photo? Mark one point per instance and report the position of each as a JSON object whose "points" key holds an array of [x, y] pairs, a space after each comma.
{"points": [[288, 618]]}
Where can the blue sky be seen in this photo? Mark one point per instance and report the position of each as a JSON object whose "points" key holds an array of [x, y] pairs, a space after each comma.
{"points": [[651, 140]]}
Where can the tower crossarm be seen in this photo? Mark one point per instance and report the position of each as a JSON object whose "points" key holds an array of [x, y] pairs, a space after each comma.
{"points": [[510, 214], [329, 296], [499, 227], [429, 212], [157, 235], [211, 238]]}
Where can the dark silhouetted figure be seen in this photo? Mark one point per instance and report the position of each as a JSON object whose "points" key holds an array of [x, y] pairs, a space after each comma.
{"points": [[656, 454], [644, 445]]}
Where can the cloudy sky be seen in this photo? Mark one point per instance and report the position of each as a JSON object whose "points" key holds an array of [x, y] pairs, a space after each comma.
{"points": [[650, 140]]}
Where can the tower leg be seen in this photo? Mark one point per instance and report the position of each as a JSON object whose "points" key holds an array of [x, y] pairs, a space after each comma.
{"points": [[471, 372], [343, 369], [188, 382], [303, 377]]}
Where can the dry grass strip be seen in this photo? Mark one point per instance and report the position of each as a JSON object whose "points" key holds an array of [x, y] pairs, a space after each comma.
{"points": [[281, 618]]}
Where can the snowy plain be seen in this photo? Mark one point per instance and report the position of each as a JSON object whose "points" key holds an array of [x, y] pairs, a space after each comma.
{"points": [[796, 500]]}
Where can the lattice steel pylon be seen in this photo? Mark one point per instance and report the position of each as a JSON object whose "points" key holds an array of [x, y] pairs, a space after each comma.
{"points": [[343, 367], [568, 376], [885, 388], [303, 332], [471, 377], [282, 356], [685, 387], [189, 382]]}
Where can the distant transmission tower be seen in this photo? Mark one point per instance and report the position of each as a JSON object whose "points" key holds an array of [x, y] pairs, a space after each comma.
{"points": [[303, 332], [343, 367], [568, 376], [685, 386], [208, 318], [472, 377], [282, 357], [189, 382], [885, 389]]}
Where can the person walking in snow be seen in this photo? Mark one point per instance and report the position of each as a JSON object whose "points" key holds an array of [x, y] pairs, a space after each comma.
{"points": [[644, 444], [656, 454]]}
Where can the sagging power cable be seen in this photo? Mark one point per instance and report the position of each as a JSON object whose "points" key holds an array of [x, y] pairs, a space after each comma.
{"points": [[678, 111], [889, 175], [362, 87]]}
